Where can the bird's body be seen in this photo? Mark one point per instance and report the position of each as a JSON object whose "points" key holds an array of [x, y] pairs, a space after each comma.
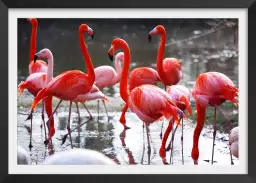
{"points": [[93, 94], [234, 141], [34, 83], [22, 156], [78, 157], [138, 77], [106, 76], [210, 89], [148, 102]]}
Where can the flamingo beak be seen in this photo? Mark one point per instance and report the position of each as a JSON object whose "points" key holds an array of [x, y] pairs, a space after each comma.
{"points": [[91, 32], [35, 58], [149, 38], [195, 162], [110, 57]]}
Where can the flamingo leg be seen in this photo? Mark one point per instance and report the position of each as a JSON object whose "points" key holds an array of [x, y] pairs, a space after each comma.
{"points": [[87, 111], [103, 101], [214, 133], [143, 150], [43, 122], [149, 148], [98, 107], [182, 141], [48, 122], [172, 139], [229, 128], [79, 122], [30, 143], [79, 119], [68, 126]]}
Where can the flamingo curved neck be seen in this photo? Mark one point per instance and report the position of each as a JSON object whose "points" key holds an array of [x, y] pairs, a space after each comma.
{"points": [[160, 56], [87, 58], [33, 42], [50, 67], [118, 69], [124, 92]]}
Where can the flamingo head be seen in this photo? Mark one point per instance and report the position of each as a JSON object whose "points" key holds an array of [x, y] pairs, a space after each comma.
{"points": [[117, 44], [33, 21], [159, 29], [85, 28], [44, 53]]}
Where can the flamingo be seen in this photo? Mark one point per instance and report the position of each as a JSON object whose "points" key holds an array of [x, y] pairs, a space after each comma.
{"points": [[40, 65], [22, 156], [94, 94], [108, 76], [148, 102], [37, 81], [233, 141], [138, 77], [181, 97], [210, 89], [78, 157], [169, 69], [69, 84]]}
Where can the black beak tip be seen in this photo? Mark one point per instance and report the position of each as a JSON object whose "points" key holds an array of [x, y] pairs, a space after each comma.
{"points": [[35, 58], [92, 36], [110, 57], [149, 38]]}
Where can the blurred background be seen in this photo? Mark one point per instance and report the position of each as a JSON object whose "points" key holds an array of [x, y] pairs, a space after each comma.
{"points": [[200, 44]]}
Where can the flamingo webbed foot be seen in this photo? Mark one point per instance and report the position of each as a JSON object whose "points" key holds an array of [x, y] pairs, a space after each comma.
{"points": [[64, 139], [46, 142], [30, 146]]}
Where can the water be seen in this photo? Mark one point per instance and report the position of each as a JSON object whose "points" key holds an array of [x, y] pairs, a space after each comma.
{"points": [[214, 52]]}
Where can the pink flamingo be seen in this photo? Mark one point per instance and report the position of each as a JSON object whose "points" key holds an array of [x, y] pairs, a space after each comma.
{"points": [[148, 102], [210, 89], [181, 97], [233, 141], [169, 69], [94, 94], [70, 84], [107, 76], [36, 82]]}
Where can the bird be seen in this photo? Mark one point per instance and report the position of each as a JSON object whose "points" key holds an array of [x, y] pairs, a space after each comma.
{"points": [[34, 84], [78, 157], [138, 77], [70, 84], [210, 89], [94, 94], [181, 97], [169, 69], [108, 76], [148, 102], [22, 156], [40, 65], [233, 141]]}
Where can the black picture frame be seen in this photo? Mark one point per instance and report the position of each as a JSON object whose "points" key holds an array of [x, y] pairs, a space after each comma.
{"points": [[6, 4]]}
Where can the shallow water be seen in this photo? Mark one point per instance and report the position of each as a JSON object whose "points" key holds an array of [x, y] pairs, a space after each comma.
{"points": [[215, 52]]}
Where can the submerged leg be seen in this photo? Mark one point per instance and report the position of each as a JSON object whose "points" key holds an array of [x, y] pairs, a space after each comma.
{"points": [[122, 118], [182, 141], [149, 147], [105, 109], [79, 121], [214, 133], [48, 122], [161, 133], [172, 139], [68, 126], [44, 121], [87, 111], [162, 151], [30, 142]]}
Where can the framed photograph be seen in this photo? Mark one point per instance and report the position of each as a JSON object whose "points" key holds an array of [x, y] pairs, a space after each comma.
{"points": [[143, 90]]}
